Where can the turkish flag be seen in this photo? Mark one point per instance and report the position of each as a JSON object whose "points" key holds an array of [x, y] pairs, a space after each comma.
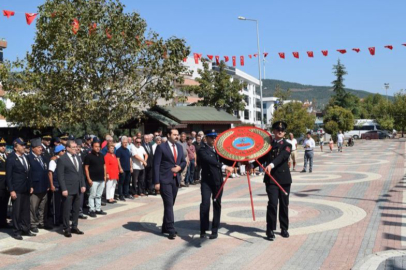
{"points": [[242, 60], [200, 55], [390, 47], [356, 50], [217, 60], [210, 56], [296, 55], [185, 59], [371, 50], [196, 57], [250, 56], [30, 17], [234, 61], [342, 51], [8, 13], [226, 58], [404, 44], [265, 54], [75, 26], [325, 53], [109, 35], [255, 55], [92, 28], [282, 55], [310, 54]]}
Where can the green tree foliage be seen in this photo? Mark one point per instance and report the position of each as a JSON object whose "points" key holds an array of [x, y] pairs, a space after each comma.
{"points": [[338, 118], [282, 94], [296, 117], [399, 111], [338, 84], [217, 89], [106, 73]]}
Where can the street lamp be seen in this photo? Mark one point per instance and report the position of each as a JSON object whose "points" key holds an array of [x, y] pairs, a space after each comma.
{"points": [[259, 68], [386, 88]]}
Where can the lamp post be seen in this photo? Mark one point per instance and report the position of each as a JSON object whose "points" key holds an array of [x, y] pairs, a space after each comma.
{"points": [[259, 68], [386, 85]]}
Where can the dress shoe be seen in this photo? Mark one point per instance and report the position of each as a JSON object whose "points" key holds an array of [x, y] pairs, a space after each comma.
{"points": [[203, 234], [67, 233], [121, 199], [103, 203], [48, 227], [92, 214], [285, 234], [129, 197], [34, 230], [17, 236], [82, 216], [29, 233], [303, 171], [182, 185], [310, 171], [111, 202], [213, 236], [171, 236], [101, 212], [187, 185], [193, 183], [270, 235], [76, 231], [165, 231]]}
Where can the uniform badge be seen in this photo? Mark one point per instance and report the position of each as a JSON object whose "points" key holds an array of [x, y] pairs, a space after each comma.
{"points": [[288, 149], [281, 142]]}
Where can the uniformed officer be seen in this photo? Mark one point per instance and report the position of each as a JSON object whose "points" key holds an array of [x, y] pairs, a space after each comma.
{"points": [[47, 151], [64, 138], [278, 167], [27, 148], [212, 178], [4, 194]]}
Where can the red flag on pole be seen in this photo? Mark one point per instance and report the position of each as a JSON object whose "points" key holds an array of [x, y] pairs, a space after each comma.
{"points": [[30, 17], [242, 60], [310, 54], [8, 13], [210, 56], [371, 50], [296, 55], [325, 53], [234, 61], [226, 59], [75, 26], [217, 60], [196, 57], [265, 55], [282, 55], [390, 47], [342, 51], [356, 50], [250, 56]]}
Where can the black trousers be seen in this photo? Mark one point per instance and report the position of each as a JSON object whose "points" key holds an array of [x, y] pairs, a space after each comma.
{"points": [[275, 194], [4, 198], [70, 203], [198, 169], [207, 192], [168, 194], [21, 213], [57, 207], [148, 179], [138, 182]]}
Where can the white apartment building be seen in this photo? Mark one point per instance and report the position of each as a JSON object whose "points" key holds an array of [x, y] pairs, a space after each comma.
{"points": [[252, 112]]}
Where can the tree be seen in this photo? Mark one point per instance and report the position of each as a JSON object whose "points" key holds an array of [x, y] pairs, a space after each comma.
{"points": [[217, 89], [296, 117], [382, 113], [281, 94], [338, 84], [399, 111], [338, 118], [107, 72]]}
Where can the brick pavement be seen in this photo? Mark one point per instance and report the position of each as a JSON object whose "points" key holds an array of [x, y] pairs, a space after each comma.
{"points": [[347, 214]]}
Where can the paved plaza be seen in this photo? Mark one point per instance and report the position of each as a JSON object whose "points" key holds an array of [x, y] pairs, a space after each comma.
{"points": [[347, 214]]}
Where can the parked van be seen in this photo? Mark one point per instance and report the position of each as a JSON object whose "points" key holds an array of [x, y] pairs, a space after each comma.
{"points": [[362, 126]]}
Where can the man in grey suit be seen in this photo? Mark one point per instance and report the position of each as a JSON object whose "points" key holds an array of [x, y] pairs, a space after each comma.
{"points": [[72, 183]]}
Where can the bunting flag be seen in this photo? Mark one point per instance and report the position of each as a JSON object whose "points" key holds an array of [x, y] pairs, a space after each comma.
{"points": [[404, 44], [108, 34], [371, 50], [255, 55], [325, 53], [250, 56], [200, 55], [282, 55], [196, 57], [210, 56], [342, 51], [310, 54], [185, 59], [30, 17], [296, 55], [226, 59], [265, 55], [92, 28], [242, 60], [390, 47], [217, 60], [356, 50], [75, 26], [234, 61], [8, 13]]}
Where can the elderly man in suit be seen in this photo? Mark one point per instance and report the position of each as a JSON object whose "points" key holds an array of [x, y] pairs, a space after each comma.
{"points": [[146, 143], [72, 184], [169, 161], [40, 184], [19, 184]]}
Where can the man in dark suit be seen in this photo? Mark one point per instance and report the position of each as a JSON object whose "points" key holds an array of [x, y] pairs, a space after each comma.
{"points": [[4, 194], [47, 151], [212, 179], [146, 143], [19, 185], [277, 160], [169, 161], [40, 184], [72, 184]]}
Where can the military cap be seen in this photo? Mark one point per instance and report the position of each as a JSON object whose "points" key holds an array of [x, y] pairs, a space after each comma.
{"points": [[18, 141], [78, 142], [57, 140], [280, 125], [2, 141], [71, 138], [64, 136], [47, 137], [210, 133], [36, 142]]}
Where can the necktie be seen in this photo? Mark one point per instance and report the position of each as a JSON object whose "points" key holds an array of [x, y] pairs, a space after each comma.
{"points": [[147, 145], [174, 155], [25, 164], [76, 162], [41, 162]]}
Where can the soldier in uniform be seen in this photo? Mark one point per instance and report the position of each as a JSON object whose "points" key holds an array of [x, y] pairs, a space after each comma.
{"points": [[47, 151], [4, 194], [27, 149], [212, 179], [277, 160], [64, 138]]}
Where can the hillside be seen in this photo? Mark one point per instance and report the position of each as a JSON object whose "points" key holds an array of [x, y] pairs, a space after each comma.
{"points": [[302, 92]]}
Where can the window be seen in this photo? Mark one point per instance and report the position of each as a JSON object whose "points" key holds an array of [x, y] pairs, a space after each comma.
{"points": [[236, 113], [246, 115], [258, 116], [247, 100], [259, 104]]}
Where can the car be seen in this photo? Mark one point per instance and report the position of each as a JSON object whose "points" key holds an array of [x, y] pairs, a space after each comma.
{"points": [[375, 134]]}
